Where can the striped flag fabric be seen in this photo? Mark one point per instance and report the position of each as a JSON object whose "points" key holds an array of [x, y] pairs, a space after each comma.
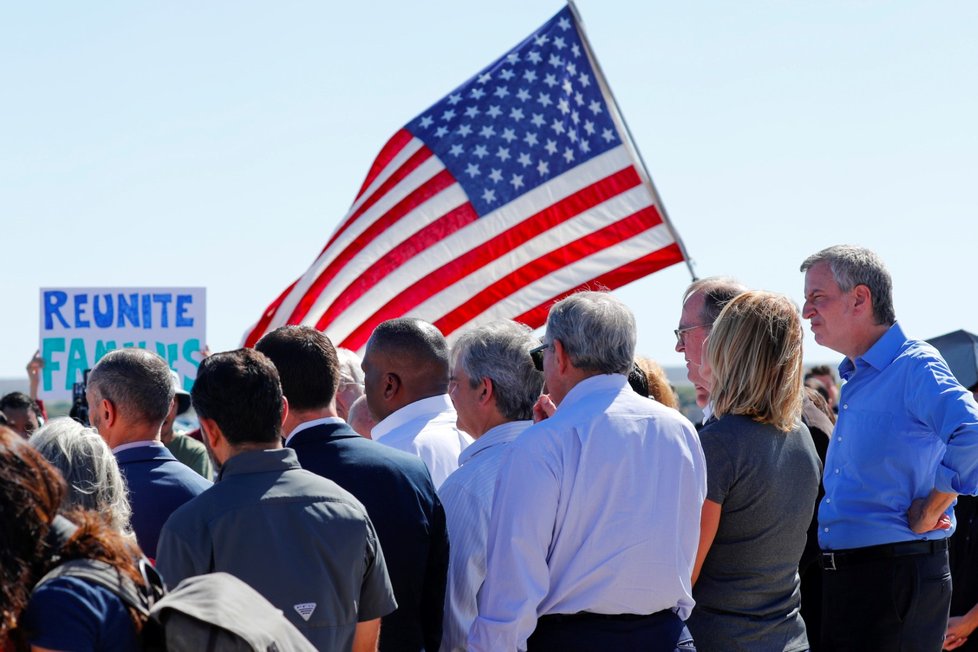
{"points": [[517, 189]]}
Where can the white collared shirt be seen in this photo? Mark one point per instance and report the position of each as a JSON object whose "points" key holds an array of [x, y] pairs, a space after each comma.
{"points": [[325, 421], [467, 498], [426, 428], [596, 509]]}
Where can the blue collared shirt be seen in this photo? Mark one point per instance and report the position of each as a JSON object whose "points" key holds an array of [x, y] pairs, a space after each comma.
{"points": [[467, 497], [906, 426], [595, 509]]}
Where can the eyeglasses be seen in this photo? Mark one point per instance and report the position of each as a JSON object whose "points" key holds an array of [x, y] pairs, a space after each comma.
{"points": [[681, 332], [536, 355]]}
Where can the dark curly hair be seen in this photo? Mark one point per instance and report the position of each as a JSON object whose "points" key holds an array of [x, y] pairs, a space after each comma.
{"points": [[31, 490]]}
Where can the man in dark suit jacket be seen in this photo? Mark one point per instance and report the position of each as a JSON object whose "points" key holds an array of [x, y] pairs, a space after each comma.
{"points": [[394, 486], [129, 395]]}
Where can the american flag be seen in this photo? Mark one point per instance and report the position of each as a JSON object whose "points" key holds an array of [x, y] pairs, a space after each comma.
{"points": [[518, 188]]}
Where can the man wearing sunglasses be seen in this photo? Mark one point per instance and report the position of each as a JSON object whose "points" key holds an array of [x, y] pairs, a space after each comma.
{"points": [[595, 518]]}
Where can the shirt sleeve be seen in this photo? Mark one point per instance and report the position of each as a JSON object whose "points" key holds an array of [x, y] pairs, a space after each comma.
{"points": [[376, 593], [520, 533], [950, 411], [719, 462], [67, 613]]}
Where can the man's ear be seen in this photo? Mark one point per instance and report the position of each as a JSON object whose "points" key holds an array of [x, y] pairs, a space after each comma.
{"points": [[392, 385], [285, 409], [110, 415], [486, 391], [561, 360], [212, 432], [862, 298]]}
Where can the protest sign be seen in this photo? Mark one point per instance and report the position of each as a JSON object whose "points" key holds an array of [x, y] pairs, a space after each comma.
{"points": [[78, 326]]}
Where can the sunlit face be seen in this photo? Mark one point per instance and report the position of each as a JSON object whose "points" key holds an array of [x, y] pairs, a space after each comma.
{"points": [[466, 400], [23, 421], [827, 308], [692, 338]]}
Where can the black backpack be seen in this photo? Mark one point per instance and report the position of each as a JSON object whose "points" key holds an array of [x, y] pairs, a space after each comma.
{"points": [[216, 611]]}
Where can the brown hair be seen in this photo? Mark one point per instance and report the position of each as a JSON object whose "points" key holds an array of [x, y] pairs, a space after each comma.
{"points": [[755, 354], [31, 490], [659, 387]]}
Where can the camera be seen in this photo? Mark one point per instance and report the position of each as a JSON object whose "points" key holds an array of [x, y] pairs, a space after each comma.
{"points": [[79, 403]]}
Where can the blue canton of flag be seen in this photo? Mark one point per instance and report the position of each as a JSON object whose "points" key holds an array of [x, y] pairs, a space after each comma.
{"points": [[528, 117]]}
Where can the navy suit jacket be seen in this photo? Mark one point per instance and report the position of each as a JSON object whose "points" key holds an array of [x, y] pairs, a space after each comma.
{"points": [[158, 484], [400, 498]]}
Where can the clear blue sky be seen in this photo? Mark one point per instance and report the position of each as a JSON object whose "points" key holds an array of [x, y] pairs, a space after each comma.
{"points": [[217, 144]]}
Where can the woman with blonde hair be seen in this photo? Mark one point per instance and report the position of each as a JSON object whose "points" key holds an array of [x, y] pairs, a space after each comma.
{"points": [[762, 481]]}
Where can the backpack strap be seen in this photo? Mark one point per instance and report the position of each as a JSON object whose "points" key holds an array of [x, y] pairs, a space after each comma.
{"points": [[104, 575]]}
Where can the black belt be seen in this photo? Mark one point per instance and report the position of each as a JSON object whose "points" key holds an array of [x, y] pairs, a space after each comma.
{"points": [[835, 559], [584, 616]]}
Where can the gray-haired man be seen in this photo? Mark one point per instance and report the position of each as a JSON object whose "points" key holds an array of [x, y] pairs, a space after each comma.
{"points": [[493, 385], [595, 521]]}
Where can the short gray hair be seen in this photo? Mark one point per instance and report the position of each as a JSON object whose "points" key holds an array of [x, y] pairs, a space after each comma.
{"points": [[597, 332], [500, 351], [852, 266], [350, 371], [136, 381], [89, 468]]}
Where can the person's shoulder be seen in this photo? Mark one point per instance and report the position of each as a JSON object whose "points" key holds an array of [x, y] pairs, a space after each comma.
{"points": [[184, 476]]}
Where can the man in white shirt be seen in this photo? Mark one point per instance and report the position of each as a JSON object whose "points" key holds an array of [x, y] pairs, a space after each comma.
{"points": [[494, 385], [595, 520], [405, 369]]}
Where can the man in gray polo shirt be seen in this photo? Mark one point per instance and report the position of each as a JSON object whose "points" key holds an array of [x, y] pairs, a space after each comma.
{"points": [[297, 538]]}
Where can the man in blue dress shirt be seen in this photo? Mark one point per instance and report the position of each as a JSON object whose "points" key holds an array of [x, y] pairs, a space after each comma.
{"points": [[129, 395], [905, 445], [596, 513]]}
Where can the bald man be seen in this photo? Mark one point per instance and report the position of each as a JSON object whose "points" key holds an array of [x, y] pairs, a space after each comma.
{"points": [[406, 383]]}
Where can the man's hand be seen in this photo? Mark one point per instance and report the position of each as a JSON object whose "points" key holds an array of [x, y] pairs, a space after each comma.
{"points": [[927, 514], [544, 408], [34, 373]]}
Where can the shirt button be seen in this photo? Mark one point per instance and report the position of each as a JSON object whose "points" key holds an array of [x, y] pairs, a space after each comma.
{"points": [[826, 530], [845, 407], [828, 500], [837, 471], [838, 438]]}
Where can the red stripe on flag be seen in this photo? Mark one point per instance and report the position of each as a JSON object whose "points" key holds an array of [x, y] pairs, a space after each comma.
{"points": [[429, 235], [483, 254], [409, 166], [533, 271], [418, 196], [636, 269], [390, 149], [266, 317]]}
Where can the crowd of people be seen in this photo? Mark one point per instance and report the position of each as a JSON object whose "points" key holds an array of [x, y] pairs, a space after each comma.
{"points": [[511, 493]]}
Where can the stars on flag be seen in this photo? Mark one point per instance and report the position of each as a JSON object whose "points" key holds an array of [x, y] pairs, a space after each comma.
{"points": [[535, 113]]}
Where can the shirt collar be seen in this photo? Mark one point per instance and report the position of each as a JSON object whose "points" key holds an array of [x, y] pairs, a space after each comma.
{"points": [[594, 384], [260, 461], [880, 355], [305, 425], [495, 436], [426, 407], [137, 444]]}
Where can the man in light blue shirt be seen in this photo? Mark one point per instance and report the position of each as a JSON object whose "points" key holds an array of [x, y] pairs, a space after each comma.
{"points": [[905, 445], [493, 385], [595, 519]]}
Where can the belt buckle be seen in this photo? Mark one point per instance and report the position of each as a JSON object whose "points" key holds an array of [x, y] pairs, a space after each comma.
{"points": [[828, 561]]}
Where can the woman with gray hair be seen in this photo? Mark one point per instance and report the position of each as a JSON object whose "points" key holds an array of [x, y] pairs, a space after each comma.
{"points": [[89, 468]]}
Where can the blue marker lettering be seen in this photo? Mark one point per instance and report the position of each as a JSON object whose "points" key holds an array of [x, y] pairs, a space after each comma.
{"points": [[182, 320], [128, 309], [81, 301], [103, 318], [52, 308]]}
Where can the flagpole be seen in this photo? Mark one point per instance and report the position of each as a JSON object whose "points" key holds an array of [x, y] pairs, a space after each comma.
{"points": [[630, 141]]}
